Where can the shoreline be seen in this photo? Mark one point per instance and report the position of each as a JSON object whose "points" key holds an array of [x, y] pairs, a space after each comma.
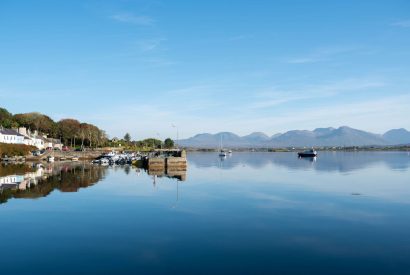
{"points": [[93, 154], [297, 149]]}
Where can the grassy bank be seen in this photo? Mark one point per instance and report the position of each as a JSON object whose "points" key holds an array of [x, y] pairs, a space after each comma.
{"points": [[12, 150]]}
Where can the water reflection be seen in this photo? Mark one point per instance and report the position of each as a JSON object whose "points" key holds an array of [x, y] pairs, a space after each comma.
{"points": [[270, 212], [38, 180], [326, 161], [180, 175], [30, 180]]}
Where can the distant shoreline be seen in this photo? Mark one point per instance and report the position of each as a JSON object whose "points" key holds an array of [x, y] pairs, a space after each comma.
{"points": [[297, 149]]}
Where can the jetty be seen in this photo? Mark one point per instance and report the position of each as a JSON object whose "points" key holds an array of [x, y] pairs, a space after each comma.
{"points": [[165, 161]]}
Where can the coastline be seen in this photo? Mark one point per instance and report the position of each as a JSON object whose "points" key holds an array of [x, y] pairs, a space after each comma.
{"points": [[296, 149]]}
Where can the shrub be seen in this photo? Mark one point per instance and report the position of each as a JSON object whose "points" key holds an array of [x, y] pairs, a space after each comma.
{"points": [[12, 150]]}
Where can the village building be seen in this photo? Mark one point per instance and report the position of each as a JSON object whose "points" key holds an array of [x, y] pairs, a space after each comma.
{"points": [[24, 136], [52, 143], [10, 136]]}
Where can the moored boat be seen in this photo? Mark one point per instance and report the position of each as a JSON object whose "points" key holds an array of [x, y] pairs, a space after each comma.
{"points": [[222, 152], [308, 153]]}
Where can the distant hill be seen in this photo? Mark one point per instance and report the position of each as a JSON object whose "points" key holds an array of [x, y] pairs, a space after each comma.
{"points": [[342, 136], [397, 136]]}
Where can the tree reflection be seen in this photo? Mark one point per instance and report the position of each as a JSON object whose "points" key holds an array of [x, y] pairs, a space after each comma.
{"points": [[23, 181]]}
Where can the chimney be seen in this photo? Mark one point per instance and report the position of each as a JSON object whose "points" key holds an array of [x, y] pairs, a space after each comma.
{"points": [[23, 131]]}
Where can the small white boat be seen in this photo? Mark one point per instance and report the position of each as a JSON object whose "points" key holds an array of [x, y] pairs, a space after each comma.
{"points": [[110, 154], [104, 161], [50, 159]]}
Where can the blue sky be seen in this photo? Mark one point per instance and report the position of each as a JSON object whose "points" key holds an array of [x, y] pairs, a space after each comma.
{"points": [[208, 66]]}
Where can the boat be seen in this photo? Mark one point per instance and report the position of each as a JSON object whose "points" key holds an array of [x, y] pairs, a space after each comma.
{"points": [[222, 152], [74, 159], [308, 153], [50, 159], [104, 162]]}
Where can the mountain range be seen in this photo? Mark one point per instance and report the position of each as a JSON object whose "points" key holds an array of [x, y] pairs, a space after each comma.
{"points": [[342, 136]]}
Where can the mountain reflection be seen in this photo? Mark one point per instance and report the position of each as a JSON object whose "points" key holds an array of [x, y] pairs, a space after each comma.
{"points": [[39, 180], [326, 161]]}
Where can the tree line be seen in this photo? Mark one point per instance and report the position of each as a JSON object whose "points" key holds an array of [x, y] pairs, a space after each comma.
{"points": [[148, 143], [70, 131], [75, 133]]}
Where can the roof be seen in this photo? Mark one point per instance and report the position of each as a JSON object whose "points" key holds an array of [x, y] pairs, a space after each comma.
{"points": [[10, 132], [53, 140]]}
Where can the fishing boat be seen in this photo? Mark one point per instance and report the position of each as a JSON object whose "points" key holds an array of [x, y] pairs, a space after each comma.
{"points": [[308, 153]]}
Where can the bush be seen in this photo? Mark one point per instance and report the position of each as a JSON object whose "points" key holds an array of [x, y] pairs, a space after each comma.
{"points": [[12, 150]]}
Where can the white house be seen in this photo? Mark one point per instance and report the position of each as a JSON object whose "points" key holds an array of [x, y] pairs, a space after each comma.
{"points": [[32, 139], [24, 136], [10, 136], [11, 180], [38, 142], [52, 143]]}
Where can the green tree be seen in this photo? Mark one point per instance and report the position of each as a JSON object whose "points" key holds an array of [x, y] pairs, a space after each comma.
{"points": [[127, 137], [36, 121], [151, 143], [169, 143], [6, 119], [69, 129]]}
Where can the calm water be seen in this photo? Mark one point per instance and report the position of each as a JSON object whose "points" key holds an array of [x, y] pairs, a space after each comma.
{"points": [[345, 213]]}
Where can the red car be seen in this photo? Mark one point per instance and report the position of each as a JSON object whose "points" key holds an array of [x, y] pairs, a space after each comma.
{"points": [[66, 148]]}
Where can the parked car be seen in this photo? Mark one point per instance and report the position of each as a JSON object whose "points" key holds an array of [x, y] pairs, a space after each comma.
{"points": [[66, 148]]}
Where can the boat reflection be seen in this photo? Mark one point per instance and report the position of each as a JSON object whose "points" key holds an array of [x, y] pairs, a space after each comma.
{"points": [[309, 159]]}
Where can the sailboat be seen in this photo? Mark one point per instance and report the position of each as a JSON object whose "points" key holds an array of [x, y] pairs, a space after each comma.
{"points": [[222, 152]]}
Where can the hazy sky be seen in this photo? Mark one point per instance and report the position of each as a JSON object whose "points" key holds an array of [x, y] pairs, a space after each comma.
{"points": [[208, 66]]}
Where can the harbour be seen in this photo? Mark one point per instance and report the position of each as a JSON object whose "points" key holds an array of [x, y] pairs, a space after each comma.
{"points": [[204, 137]]}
